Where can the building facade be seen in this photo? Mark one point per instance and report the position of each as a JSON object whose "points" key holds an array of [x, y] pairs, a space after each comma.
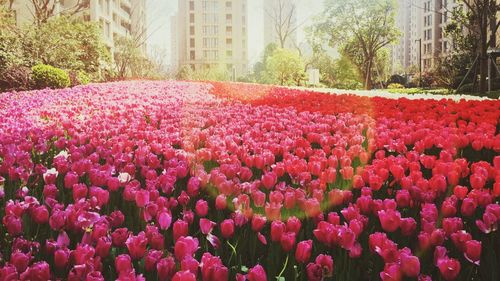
{"points": [[423, 41], [116, 17], [280, 14], [212, 34]]}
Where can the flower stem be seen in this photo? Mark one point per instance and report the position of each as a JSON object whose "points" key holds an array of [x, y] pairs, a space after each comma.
{"points": [[284, 267]]}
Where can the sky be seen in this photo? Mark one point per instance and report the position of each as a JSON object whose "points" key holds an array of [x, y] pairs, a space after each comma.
{"points": [[160, 11]]}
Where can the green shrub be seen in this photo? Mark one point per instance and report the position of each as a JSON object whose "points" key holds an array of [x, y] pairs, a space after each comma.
{"points": [[395, 86], [83, 78], [79, 78], [46, 76]]}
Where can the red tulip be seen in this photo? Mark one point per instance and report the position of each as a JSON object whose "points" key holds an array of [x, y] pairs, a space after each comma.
{"points": [[212, 268], [201, 208], [227, 228], [390, 220], [468, 207], [119, 237], [287, 241], [165, 269], [136, 245], [180, 229], [164, 220], [408, 226], [123, 263], [61, 258], [220, 202], [151, 259], [473, 251], [314, 272], [326, 263], [190, 264], [184, 276], [449, 268], [39, 271], [20, 260], [258, 222], [477, 181], [193, 186], [392, 272], [185, 246], [303, 252], [293, 224], [269, 180], [410, 265], [257, 273], [277, 230]]}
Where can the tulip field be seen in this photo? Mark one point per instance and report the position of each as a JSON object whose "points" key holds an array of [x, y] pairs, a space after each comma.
{"points": [[221, 181]]}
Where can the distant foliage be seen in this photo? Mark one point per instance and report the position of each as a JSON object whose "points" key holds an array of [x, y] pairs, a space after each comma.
{"points": [[215, 73], [285, 67], [46, 76], [395, 86]]}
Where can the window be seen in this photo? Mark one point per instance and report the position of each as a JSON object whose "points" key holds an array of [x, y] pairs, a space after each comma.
{"points": [[191, 5], [210, 43], [191, 30], [210, 18], [229, 4], [191, 18], [192, 55], [229, 41], [229, 30], [210, 30], [211, 54], [191, 43], [229, 53]]}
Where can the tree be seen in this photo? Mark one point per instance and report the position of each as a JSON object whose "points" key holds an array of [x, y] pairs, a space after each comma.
{"points": [[478, 18], [285, 67], [10, 44], [43, 10], [361, 28], [283, 15], [65, 42], [259, 69]]}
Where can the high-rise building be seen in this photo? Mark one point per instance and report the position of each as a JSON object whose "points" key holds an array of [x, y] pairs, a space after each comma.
{"points": [[422, 24], [401, 51], [174, 43], [213, 34], [280, 20], [116, 17]]}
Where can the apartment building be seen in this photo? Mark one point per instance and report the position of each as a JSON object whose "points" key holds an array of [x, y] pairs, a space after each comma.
{"points": [[422, 24], [174, 43], [401, 51], [116, 17], [212, 34], [280, 15]]}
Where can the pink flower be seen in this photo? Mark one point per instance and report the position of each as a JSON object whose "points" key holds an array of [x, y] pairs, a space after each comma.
{"points": [[449, 268], [257, 273], [185, 246], [303, 252], [390, 220], [136, 245], [184, 276], [227, 228]]}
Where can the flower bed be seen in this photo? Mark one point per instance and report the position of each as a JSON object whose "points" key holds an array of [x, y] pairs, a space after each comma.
{"points": [[197, 181]]}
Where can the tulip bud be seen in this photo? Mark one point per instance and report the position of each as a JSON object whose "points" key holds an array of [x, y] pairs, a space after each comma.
{"points": [[303, 252], [227, 228]]}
